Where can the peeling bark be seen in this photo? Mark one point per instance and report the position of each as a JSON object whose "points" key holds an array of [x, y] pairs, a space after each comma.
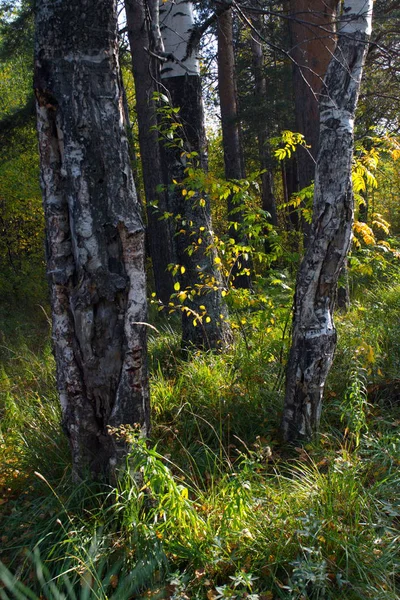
{"points": [[94, 232], [314, 333]]}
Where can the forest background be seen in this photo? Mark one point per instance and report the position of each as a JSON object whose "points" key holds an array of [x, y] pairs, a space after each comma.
{"points": [[223, 508]]}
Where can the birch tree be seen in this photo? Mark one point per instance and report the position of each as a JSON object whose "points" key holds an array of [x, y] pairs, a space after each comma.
{"points": [[314, 333], [95, 234], [181, 78]]}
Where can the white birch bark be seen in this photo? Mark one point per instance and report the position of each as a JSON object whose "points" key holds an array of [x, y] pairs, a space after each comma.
{"points": [[181, 77], [94, 231], [176, 22], [314, 333]]}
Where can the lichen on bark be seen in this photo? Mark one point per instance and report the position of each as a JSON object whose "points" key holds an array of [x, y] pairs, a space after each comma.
{"points": [[94, 232]]}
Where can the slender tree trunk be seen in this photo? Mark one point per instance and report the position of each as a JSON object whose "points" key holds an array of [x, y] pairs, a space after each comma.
{"points": [[95, 234], [233, 158], [264, 150], [228, 98], [141, 16], [192, 215], [314, 333]]}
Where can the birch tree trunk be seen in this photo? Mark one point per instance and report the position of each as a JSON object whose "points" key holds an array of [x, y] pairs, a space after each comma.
{"points": [[181, 78], [144, 37], [94, 231], [314, 333]]}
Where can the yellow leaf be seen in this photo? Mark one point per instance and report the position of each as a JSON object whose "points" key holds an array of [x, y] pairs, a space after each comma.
{"points": [[184, 192], [370, 355], [183, 270], [208, 319], [217, 260], [177, 286]]}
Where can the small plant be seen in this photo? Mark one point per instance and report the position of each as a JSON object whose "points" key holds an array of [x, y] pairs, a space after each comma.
{"points": [[354, 407], [241, 587]]}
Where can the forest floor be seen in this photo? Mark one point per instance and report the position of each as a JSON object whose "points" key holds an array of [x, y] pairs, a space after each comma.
{"points": [[226, 510]]}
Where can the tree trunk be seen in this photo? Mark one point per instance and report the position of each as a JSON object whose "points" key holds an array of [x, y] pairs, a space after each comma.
{"points": [[192, 217], [314, 333], [228, 98], [313, 43], [233, 158], [142, 39], [95, 234], [264, 150]]}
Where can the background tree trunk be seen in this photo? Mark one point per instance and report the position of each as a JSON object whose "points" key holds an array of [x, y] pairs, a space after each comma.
{"points": [[314, 333], [95, 234], [181, 78], [313, 43], [260, 92], [233, 158], [143, 38]]}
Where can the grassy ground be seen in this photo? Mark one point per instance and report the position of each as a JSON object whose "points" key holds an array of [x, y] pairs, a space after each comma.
{"points": [[222, 508]]}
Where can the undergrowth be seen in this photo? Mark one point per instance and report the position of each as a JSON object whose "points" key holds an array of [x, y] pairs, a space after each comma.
{"points": [[214, 506]]}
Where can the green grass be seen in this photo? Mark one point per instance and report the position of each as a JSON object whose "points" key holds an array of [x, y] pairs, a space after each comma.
{"points": [[215, 507]]}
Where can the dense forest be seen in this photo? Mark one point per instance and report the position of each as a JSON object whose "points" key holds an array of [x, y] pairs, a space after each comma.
{"points": [[199, 298]]}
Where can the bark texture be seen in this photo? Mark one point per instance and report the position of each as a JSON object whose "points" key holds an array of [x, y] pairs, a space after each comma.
{"points": [[144, 38], [314, 333], [193, 219], [94, 232]]}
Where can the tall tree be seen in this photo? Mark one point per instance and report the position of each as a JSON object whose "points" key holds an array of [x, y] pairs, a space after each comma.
{"points": [[313, 43], [194, 238], [95, 234], [264, 132], [146, 45], [314, 333], [233, 159], [233, 156]]}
